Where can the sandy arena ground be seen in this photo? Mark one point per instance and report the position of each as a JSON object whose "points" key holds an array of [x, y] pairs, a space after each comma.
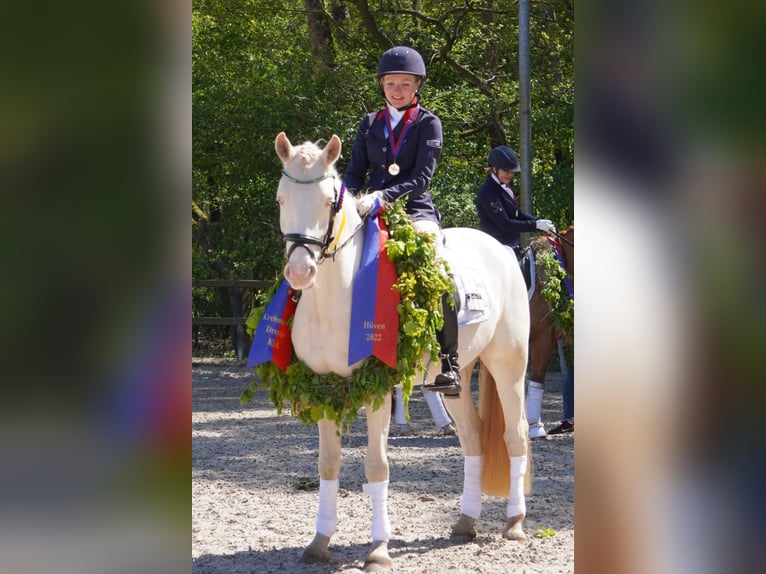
{"points": [[255, 491]]}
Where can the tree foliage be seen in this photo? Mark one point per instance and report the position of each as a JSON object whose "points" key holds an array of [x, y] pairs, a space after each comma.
{"points": [[308, 68]]}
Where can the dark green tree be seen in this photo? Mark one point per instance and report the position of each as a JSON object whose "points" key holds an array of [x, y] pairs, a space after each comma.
{"points": [[308, 68]]}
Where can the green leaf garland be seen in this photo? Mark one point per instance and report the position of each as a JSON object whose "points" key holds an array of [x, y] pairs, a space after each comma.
{"points": [[551, 276], [421, 282]]}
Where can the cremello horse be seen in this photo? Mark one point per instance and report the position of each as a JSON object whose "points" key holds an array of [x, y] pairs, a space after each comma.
{"points": [[313, 223]]}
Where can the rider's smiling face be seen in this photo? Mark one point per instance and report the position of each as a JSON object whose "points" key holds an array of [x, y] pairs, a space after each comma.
{"points": [[504, 175], [399, 89]]}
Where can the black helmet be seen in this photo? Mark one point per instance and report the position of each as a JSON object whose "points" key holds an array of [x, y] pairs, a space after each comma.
{"points": [[401, 60], [503, 157]]}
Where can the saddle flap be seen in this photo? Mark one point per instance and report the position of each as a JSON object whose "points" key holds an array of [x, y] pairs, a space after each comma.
{"points": [[472, 292]]}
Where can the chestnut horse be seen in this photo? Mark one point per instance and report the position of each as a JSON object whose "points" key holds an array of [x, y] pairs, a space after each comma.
{"points": [[542, 336], [314, 218]]}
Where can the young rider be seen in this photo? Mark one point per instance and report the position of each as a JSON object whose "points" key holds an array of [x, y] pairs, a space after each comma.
{"points": [[497, 204], [394, 156], [500, 216]]}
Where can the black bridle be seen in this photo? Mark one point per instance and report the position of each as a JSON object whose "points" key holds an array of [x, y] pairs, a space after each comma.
{"points": [[301, 240]]}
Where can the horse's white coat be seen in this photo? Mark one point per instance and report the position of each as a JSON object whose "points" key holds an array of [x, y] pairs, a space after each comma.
{"points": [[321, 327]]}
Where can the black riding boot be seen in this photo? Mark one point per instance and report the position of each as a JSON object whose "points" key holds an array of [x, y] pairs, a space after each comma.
{"points": [[448, 382]]}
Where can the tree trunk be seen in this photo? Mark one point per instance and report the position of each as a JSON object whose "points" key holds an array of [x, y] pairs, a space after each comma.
{"points": [[322, 46]]}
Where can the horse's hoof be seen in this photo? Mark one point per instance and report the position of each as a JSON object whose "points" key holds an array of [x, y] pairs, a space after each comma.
{"points": [[377, 559], [317, 551], [464, 528], [514, 530]]}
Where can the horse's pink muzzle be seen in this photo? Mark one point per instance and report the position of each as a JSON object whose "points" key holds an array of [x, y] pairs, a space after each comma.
{"points": [[301, 269]]}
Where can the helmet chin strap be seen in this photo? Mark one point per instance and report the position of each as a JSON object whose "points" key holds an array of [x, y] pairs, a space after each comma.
{"points": [[410, 105], [415, 101]]}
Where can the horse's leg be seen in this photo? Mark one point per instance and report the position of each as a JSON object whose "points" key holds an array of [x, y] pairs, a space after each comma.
{"points": [[542, 342], [327, 517], [508, 370], [376, 471], [466, 418]]}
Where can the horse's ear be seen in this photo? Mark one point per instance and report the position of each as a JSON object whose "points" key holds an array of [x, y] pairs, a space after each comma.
{"points": [[332, 150], [283, 146]]}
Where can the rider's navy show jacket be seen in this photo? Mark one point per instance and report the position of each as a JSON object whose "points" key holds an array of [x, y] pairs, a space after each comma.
{"points": [[417, 157], [499, 215]]}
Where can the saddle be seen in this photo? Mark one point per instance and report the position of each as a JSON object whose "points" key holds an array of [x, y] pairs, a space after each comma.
{"points": [[527, 264], [471, 286]]}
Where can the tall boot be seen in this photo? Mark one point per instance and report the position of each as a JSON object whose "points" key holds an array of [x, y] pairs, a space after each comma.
{"points": [[448, 381]]}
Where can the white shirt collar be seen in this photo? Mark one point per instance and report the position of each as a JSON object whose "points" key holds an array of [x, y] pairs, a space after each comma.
{"points": [[394, 114], [506, 188]]}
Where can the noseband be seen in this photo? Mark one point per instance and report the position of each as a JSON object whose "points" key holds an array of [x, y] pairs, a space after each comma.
{"points": [[300, 240]]}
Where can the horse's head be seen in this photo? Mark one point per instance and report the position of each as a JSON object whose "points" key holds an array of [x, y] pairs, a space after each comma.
{"points": [[309, 198]]}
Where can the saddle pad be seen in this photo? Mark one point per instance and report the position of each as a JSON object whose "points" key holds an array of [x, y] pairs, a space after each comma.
{"points": [[472, 291]]}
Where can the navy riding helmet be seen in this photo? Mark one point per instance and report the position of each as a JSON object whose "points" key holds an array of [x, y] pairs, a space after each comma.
{"points": [[503, 157], [402, 60]]}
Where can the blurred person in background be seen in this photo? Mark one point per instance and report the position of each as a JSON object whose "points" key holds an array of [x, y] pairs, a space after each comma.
{"points": [[497, 204]]}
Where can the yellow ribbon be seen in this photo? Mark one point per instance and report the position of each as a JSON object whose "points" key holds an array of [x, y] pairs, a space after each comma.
{"points": [[340, 232]]}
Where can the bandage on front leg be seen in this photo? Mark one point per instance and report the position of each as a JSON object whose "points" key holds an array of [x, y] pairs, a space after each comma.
{"points": [[378, 492], [327, 517], [471, 503], [516, 502]]}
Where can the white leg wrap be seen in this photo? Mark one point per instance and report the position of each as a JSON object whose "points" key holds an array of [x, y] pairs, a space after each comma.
{"points": [[378, 491], [516, 502], [327, 517], [436, 406], [399, 416], [471, 504], [534, 401]]}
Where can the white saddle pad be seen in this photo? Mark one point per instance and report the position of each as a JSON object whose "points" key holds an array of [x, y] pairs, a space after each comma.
{"points": [[472, 290]]}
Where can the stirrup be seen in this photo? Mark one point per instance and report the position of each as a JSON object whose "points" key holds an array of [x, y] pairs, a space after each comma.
{"points": [[447, 383]]}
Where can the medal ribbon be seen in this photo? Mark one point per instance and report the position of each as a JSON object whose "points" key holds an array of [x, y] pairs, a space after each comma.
{"points": [[374, 315], [409, 118], [272, 341]]}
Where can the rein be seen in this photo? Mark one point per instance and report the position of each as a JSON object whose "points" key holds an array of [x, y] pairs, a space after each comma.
{"points": [[562, 238], [328, 243]]}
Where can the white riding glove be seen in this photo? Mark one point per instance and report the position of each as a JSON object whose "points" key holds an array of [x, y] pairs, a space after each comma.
{"points": [[545, 225], [365, 203]]}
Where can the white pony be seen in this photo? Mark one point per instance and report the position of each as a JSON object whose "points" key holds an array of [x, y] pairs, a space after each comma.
{"points": [[314, 223]]}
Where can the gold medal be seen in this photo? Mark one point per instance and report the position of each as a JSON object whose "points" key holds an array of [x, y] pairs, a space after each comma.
{"points": [[393, 169]]}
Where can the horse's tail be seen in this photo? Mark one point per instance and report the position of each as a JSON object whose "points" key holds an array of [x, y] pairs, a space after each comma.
{"points": [[496, 469]]}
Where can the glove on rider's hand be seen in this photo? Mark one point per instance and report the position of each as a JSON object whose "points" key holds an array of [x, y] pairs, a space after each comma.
{"points": [[545, 225], [365, 203]]}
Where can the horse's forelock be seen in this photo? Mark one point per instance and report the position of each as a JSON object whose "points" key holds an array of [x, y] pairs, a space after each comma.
{"points": [[306, 156]]}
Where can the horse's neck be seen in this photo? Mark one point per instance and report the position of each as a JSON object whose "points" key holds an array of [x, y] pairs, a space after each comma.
{"points": [[323, 319], [330, 298], [334, 283]]}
